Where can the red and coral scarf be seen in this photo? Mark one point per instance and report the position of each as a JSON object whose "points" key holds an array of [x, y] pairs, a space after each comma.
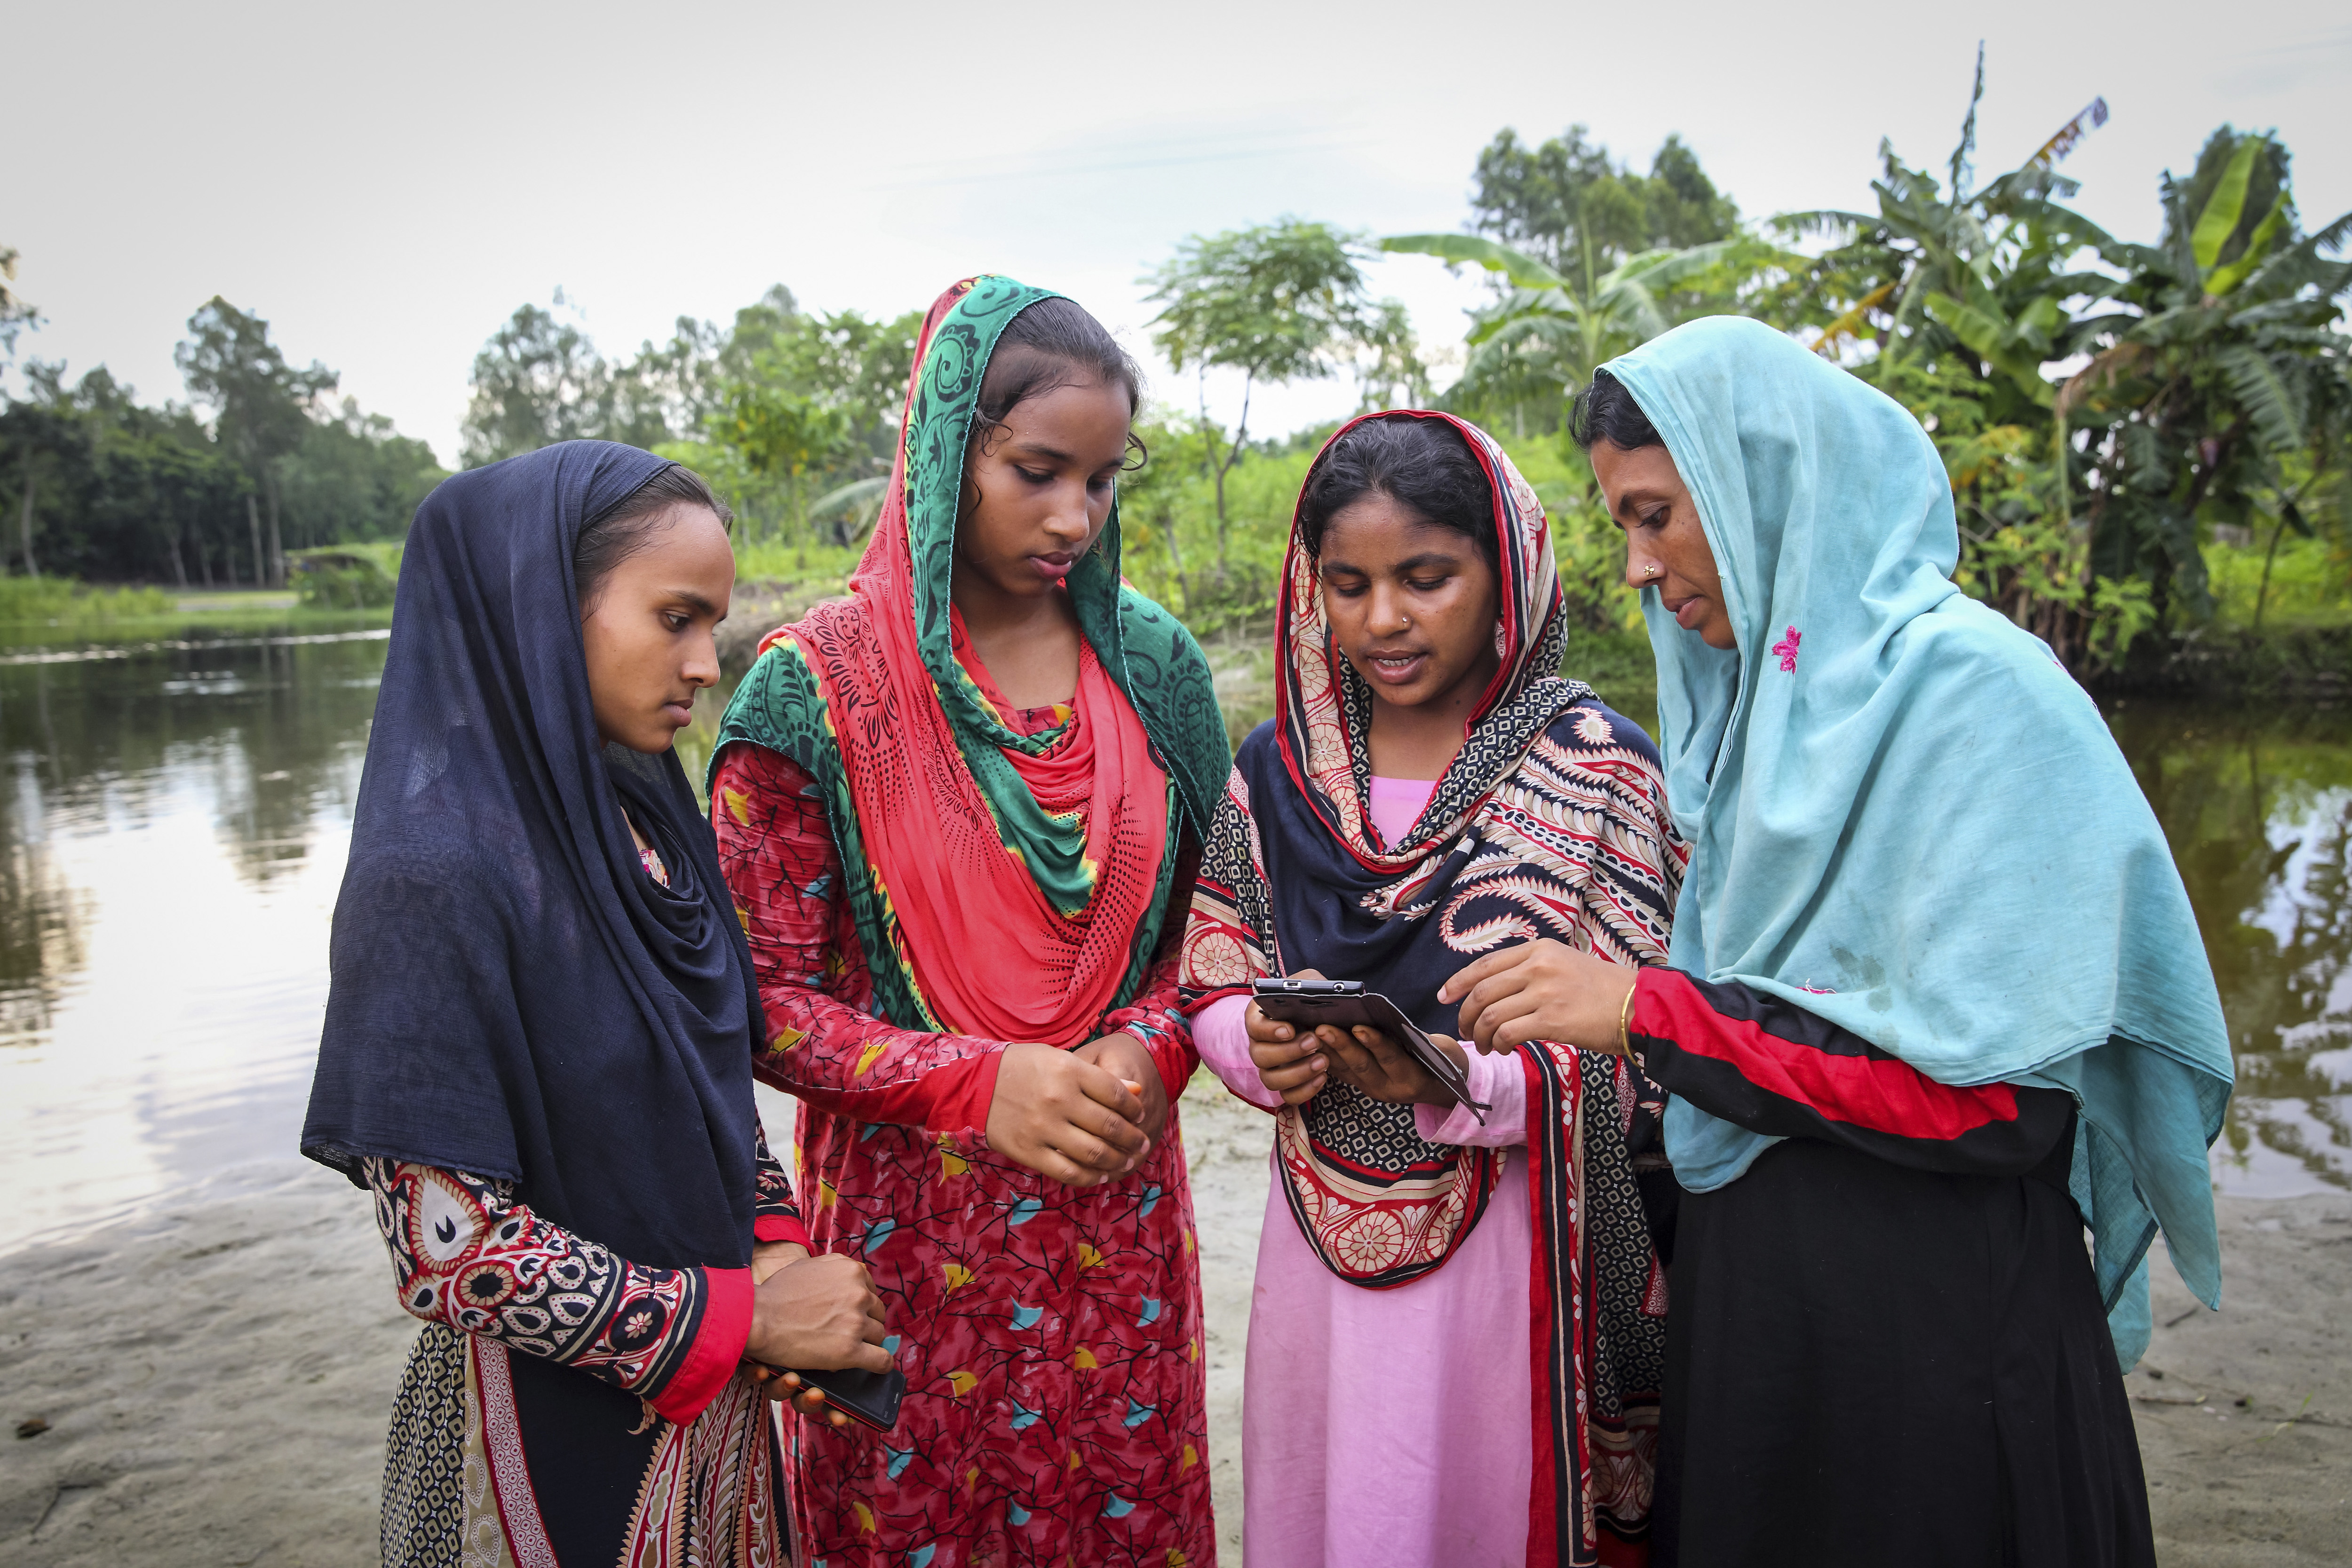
{"points": [[1008, 886]]}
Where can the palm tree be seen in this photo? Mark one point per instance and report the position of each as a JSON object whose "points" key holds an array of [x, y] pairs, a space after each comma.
{"points": [[1546, 329]]}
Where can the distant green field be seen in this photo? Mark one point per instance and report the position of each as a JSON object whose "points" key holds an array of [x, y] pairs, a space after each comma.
{"points": [[52, 612], [2309, 582]]}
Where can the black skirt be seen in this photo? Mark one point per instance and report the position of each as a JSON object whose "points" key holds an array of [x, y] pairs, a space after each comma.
{"points": [[1867, 1364]]}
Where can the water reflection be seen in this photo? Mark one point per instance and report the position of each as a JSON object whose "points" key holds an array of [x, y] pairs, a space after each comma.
{"points": [[2258, 806], [174, 819], [175, 831], [41, 920]]}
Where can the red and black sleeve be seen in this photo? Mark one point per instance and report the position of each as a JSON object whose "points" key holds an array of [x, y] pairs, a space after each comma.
{"points": [[467, 1252], [1761, 1062]]}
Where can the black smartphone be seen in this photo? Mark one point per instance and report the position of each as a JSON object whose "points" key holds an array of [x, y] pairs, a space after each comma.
{"points": [[1344, 1002], [868, 1398]]}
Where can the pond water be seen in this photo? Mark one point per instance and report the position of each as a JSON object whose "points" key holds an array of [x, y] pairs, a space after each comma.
{"points": [[176, 817]]}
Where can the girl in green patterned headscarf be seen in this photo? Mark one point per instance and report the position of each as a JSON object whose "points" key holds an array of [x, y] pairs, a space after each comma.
{"points": [[956, 811]]}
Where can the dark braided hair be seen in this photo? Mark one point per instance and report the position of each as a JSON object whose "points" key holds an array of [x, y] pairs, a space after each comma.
{"points": [[1423, 465], [1605, 411], [632, 524]]}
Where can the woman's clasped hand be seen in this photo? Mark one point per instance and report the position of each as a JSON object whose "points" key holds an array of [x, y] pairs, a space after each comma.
{"points": [[815, 1313], [1542, 990], [1079, 1117]]}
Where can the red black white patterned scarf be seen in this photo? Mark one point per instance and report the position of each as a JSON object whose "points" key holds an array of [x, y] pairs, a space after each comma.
{"points": [[1550, 822]]}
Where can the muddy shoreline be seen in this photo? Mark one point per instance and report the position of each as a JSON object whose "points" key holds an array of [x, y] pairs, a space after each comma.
{"points": [[215, 1376]]}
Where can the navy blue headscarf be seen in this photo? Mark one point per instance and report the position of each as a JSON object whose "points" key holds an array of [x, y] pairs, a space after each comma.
{"points": [[512, 996]]}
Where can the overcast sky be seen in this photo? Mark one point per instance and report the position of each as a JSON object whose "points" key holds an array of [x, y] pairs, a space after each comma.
{"points": [[388, 183]]}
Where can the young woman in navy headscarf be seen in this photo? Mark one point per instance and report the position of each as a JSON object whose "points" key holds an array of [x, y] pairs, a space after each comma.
{"points": [[539, 1037]]}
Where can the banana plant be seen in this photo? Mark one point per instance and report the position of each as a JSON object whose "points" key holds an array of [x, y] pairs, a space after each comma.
{"points": [[1987, 276], [859, 500], [1543, 315], [2224, 374], [1989, 270]]}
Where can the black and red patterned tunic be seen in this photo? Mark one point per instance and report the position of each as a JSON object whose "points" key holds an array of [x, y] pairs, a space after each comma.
{"points": [[1898, 1293]]}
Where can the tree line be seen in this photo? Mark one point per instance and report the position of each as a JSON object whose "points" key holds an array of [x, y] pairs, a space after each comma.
{"points": [[213, 493], [792, 414], [2107, 408]]}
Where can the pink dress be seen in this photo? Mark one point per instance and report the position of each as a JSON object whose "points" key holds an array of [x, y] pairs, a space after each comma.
{"points": [[1388, 1428]]}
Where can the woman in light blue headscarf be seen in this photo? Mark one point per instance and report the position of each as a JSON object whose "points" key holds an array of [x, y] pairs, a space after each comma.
{"points": [[1937, 1000]]}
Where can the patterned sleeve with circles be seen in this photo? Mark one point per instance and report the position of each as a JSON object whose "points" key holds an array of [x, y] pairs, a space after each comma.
{"points": [[465, 1252]]}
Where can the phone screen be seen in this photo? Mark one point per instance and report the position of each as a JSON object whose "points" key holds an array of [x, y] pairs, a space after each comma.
{"points": [[869, 1398]]}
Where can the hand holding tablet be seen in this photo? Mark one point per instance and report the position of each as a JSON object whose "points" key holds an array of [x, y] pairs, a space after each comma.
{"points": [[1308, 1001]]}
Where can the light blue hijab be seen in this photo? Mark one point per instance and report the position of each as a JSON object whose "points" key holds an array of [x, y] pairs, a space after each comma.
{"points": [[1904, 816]]}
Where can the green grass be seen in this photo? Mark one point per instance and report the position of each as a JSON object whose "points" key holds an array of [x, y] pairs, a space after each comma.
{"points": [[2311, 583], [774, 561], [225, 601], [56, 612], [62, 602]]}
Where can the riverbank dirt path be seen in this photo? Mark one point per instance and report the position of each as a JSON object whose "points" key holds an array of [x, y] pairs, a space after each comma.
{"points": [[214, 1376]]}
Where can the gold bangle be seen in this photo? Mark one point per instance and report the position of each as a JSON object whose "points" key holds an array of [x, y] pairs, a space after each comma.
{"points": [[1624, 1015]]}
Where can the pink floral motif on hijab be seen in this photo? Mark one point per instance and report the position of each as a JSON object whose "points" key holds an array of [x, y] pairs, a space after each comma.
{"points": [[1787, 648]]}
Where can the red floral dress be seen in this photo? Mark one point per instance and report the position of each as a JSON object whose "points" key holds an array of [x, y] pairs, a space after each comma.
{"points": [[1050, 1337]]}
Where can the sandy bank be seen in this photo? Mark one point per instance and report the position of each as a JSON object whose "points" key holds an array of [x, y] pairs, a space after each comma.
{"points": [[216, 1374], [216, 1378], [2245, 1415]]}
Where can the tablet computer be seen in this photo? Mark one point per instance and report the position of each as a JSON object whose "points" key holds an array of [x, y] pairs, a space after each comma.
{"points": [[1344, 1002]]}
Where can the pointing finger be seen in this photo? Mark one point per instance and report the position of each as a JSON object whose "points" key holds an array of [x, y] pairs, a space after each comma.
{"points": [[1470, 974]]}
